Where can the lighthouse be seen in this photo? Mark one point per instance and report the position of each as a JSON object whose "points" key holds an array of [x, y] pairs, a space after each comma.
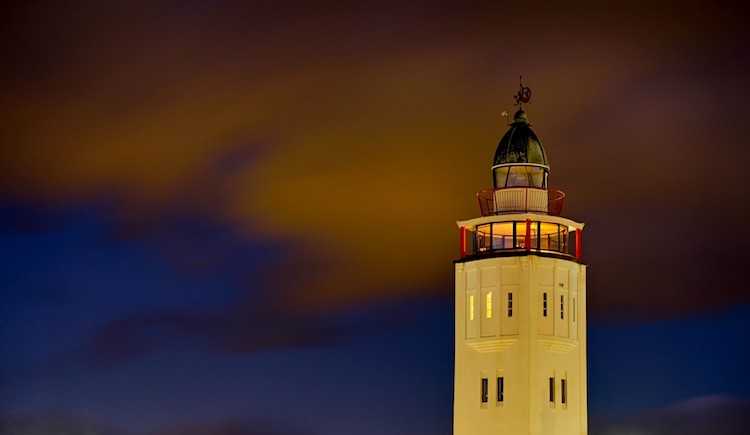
{"points": [[520, 302]]}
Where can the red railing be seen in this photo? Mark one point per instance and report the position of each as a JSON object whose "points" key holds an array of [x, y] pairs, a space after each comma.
{"points": [[520, 199]]}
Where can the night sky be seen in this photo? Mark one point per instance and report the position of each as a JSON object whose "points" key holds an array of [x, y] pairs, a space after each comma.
{"points": [[239, 218]]}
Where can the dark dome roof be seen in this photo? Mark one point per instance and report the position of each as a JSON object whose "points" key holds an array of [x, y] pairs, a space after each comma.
{"points": [[520, 144]]}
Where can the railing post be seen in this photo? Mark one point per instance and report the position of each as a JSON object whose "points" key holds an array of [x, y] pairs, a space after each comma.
{"points": [[578, 244], [527, 242], [463, 242]]}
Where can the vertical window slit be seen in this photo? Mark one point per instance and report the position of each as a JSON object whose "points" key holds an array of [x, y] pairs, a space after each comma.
{"points": [[471, 307], [485, 390], [488, 303], [574, 309], [510, 304], [500, 389], [562, 307], [551, 390]]}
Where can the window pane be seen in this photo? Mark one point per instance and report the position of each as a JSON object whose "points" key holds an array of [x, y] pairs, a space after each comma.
{"points": [[471, 307], [510, 304], [517, 177], [552, 390], [489, 305], [562, 307], [482, 238], [501, 176], [536, 176]]}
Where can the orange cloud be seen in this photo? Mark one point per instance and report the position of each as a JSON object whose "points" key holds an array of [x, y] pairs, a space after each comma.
{"points": [[377, 126]]}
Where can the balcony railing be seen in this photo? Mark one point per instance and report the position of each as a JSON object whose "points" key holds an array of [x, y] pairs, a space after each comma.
{"points": [[520, 199]]}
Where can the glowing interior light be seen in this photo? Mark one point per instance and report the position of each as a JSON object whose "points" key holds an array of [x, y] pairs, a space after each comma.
{"points": [[471, 307], [489, 305]]}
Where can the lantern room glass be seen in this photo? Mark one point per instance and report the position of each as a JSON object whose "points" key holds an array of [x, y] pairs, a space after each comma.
{"points": [[498, 236], [520, 176]]}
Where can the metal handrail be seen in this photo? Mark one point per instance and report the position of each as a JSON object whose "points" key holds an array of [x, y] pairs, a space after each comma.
{"points": [[519, 201]]}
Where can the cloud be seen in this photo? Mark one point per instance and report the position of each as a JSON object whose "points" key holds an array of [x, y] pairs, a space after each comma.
{"points": [[714, 414], [60, 423], [259, 426], [657, 225], [63, 423], [243, 327], [357, 136], [240, 330]]}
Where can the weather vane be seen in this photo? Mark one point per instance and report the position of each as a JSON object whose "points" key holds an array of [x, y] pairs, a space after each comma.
{"points": [[523, 95]]}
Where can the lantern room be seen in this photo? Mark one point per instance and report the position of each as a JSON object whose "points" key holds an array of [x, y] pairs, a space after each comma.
{"points": [[520, 213], [520, 160]]}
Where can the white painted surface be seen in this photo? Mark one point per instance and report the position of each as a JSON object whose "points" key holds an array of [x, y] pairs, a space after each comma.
{"points": [[472, 223], [525, 348], [521, 198]]}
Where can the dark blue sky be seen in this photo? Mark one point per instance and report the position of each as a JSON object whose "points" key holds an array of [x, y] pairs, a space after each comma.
{"points": [[239, 218]]}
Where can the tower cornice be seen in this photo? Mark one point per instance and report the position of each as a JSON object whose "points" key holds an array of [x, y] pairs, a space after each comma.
{"points": [[472, 223]]}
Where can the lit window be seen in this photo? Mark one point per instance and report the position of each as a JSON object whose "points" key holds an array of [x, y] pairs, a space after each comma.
{"points": [[510, 304], [489, 305], [563, 391], [552, 390], [500, 389], [562, 307], [544, 305], [485, 390], [471, 307]]}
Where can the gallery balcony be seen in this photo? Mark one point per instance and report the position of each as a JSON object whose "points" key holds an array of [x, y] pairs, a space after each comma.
{"points": [[555, 235], [520, 199]]}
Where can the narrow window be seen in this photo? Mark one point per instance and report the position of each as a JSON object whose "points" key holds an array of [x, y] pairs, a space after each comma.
{"points": [[510, 304], [574, 309], [500, 389], [563, 391], [485, 390], [544, 305], [489, 305], [551, 390], [471, 307], [562, 307]]}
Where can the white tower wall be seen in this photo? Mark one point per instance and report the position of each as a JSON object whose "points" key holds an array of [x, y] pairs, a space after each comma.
{"points": [[509, 337]]}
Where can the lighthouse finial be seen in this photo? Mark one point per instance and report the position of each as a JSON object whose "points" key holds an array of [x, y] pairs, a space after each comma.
{"points": [[523, 95]]}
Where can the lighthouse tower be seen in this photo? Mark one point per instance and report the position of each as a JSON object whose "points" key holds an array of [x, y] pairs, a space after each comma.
{"points": [[520, 303]]}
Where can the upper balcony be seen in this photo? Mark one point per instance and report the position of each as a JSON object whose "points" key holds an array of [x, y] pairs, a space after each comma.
{"points": [[520, 199]]}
